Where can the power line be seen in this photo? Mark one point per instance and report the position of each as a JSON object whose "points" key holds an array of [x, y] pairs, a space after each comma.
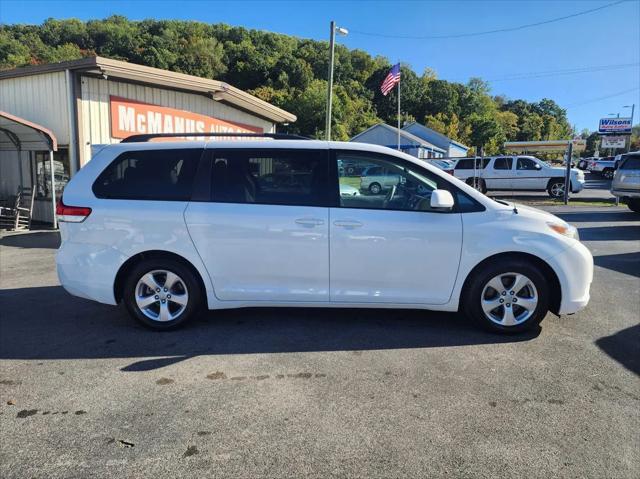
{"points": [[570, 71], [593, 100], [488, 32]]}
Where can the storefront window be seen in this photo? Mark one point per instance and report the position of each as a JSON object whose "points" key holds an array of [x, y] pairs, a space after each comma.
{"points": [[43, 175]]}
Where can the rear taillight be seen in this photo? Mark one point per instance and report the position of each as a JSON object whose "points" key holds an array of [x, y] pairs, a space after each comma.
{"points": [[71, 214]]}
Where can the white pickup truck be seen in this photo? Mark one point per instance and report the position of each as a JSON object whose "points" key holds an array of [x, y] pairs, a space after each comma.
{"points": [[516, 173], [603, 166]]}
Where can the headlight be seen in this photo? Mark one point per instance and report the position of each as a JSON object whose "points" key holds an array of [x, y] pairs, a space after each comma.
{"points": [[565, 229]]}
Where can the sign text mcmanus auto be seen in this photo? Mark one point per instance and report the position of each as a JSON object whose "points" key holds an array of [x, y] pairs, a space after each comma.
{"points": [[130, 117], [615, 125]]}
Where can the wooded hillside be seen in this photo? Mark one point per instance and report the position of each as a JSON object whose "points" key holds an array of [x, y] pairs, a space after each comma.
{"points": [[291, 73]]}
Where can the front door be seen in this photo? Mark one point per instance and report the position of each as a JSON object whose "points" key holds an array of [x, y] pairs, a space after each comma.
{"points": [[529, 175], [263, 233], [391, 247]]}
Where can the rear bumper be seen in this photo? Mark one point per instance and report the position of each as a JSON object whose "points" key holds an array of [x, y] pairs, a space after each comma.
{"points": [[626, 192], [88, 272], [574, 268]]}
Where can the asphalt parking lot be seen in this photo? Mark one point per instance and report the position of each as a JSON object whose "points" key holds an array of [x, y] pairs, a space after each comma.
{"points": [[86, 392]]}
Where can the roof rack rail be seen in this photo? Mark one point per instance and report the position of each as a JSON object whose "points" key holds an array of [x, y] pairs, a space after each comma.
{"points": [[151, 136]]}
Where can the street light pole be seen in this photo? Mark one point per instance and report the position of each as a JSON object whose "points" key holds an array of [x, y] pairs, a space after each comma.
{"points": [[332, 37], [332, 40]]}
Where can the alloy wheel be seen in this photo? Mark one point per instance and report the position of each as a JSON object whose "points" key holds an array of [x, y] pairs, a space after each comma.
{"points": [[161, 295], [557, 190], [509, 299]]}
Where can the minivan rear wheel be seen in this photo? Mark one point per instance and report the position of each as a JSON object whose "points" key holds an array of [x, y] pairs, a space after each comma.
{"points": [[162, 293], [507, 296]]}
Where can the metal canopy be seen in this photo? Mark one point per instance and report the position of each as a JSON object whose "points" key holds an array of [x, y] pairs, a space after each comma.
{"points": [[19, 134]]}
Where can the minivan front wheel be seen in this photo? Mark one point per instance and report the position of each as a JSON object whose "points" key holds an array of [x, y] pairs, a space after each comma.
{"points": [[508, 297], [162, 294]]}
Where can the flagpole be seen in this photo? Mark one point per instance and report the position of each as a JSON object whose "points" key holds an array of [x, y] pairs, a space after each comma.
{"points": [[399, 77]]}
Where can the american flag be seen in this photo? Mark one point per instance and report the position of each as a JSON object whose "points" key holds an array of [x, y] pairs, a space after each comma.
{"points": [[391, 79]]}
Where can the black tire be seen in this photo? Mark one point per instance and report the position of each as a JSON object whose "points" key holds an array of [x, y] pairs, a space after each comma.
{"points": [[375, 188], [475, 287], [553, 188], [634, 204], [189, 283], [479, 184]]}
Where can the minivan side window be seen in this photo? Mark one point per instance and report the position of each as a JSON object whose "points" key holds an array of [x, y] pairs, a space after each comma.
{"points": [[272, 177], [503, 163], [160, 175], [396, 185]]}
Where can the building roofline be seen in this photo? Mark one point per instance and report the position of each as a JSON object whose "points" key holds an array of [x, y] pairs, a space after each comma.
{"points": [[403, 133], [215, 89], [445, 137]]}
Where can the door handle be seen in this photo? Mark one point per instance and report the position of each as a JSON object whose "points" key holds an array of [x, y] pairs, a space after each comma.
{"points": [[348, 223], [309, 222]]}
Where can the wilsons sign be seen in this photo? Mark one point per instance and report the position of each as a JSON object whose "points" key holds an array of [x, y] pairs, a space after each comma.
{"points": [[615, 125], [130, 117]]}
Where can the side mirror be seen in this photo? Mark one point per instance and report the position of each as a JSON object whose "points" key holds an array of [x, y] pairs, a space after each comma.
{"points": [[538, 167], [441, 199]]}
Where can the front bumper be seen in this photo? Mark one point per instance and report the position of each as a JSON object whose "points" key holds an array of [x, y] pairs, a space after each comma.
{"points": [[574, 268], [577, 185]]}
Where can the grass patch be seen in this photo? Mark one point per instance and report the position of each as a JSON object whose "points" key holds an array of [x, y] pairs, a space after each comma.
{"points": [[351, 181]]}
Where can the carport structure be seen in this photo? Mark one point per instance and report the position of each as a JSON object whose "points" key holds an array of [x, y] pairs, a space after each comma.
{"points": [[18, 136]]}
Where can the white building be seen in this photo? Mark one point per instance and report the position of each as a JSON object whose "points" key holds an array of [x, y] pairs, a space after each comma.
{"points": [[95, 101]]}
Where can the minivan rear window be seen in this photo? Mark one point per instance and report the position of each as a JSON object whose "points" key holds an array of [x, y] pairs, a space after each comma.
{"points": [[161, 175], [631, 162]]}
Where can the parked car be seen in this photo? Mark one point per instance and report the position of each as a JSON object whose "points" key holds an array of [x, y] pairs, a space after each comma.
{"points": [[167, 228], [445, 165], [603, 166], [516, 173], [377, 179], [626, 180]]}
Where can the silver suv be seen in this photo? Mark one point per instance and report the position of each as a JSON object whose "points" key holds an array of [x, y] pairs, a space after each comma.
{"points": [[626, 181]]}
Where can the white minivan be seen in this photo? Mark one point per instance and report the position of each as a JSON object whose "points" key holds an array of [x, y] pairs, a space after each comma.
{"points": [[168, 228]]}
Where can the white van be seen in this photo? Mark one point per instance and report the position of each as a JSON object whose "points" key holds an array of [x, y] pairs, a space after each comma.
{"points": [[167, 228]]}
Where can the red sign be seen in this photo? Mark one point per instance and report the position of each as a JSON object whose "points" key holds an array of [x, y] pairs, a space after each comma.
{"points": [[131, 117]]}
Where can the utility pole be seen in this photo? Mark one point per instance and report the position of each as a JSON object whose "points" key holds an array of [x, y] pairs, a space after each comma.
{"points": [[567, 177], [633, 109]]}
